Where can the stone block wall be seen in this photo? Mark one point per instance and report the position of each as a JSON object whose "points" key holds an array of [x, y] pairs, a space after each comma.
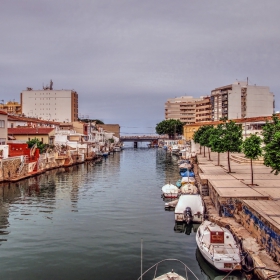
{"points": [[266, 234]]}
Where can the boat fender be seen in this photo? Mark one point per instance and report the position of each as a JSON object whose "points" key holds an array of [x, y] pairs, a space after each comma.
{"points": [[248, 263]]}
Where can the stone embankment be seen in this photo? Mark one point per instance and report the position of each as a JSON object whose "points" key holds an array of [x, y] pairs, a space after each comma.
{"points": [[252, 212]]}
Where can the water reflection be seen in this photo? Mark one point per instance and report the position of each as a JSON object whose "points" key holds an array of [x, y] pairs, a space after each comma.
{"points": [[86, 221], [182, 227]]}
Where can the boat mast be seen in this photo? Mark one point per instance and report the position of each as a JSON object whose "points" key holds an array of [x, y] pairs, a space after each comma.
{"points": [[141, 257]]}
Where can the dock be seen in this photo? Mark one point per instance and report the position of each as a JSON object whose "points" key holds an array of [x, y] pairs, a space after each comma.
{"points": [[251, 211]]}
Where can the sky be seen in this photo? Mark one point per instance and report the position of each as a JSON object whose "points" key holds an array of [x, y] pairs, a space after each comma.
{"points": [[125, 58]]}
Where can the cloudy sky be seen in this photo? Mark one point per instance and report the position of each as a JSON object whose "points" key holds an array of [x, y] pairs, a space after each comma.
{"points": [[125, 58]]}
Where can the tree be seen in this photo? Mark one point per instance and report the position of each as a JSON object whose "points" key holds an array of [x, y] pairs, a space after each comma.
{"points": [[216, 141], [270, 128], [170, 127], [91, 121], [204, 139], [42, 147], [198, 137], [271, 139], [232, 139], [252, 149]]}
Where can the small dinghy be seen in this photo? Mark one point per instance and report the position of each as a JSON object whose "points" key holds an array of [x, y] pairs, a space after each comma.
{"points": [[187, 180], [185, 166], [188, 189], [170, 191], [218, 246]]}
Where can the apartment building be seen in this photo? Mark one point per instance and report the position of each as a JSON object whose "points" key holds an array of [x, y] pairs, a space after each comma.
{"points": [[3, 127], [182, 108], [11, 107], [50, 104], [240, 100], [203, 110]]}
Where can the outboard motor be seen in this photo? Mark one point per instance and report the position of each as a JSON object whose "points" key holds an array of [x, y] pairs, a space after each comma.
{"points": [[188, 215]]}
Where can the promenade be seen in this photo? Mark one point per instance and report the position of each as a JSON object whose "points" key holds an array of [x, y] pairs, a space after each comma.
{"points": [[252, 212]]}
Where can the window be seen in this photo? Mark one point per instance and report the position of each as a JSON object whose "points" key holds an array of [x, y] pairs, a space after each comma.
{"points": [[2, 141], [2, 123]]}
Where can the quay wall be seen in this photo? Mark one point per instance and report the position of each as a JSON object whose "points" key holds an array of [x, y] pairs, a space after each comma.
{"points": [[251, 211], [265, 232]]}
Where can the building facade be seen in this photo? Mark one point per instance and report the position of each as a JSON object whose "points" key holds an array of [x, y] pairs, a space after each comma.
{"points": [[203, 110], [49, 104], [3, 127], [240, 100], [11, 107], [182, 108]]}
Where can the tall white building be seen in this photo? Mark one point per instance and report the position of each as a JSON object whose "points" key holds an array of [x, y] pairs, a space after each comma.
{"points": [[240, 100], [50, 104], [182, 108]]}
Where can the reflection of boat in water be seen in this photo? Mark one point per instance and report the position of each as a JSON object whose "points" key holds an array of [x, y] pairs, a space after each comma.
{"points": [[210, 273], [182, 227], [169, 275]]}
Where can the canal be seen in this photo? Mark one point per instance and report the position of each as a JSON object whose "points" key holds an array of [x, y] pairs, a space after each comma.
{"points": [[87, 222]]}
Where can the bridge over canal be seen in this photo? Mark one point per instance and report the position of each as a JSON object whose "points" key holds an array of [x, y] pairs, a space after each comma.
{"points": [[142, 138]]}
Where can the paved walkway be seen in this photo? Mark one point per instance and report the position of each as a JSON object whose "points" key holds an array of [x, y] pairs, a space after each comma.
{"points": [[263, 198]]}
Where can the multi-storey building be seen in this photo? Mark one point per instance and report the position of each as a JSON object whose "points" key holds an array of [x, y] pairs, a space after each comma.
{"points": [[181, 108], [240, 100], [11, 107], [3, 128], [50, 104], [203, 110]]}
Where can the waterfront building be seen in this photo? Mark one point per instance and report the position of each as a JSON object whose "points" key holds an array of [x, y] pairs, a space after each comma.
{"points": [[182, 108], [3, 127], [21, 121], [24, 134], [249, 126], [112, 128], [50, 104], [241, 100], [11, 107]]}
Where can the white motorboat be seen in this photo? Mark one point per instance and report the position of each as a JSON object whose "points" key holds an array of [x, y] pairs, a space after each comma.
{"points": [[190, 208], [185, 166], [117, 149], [218, 246], [175, 149], [169, 275], [170, 191]]}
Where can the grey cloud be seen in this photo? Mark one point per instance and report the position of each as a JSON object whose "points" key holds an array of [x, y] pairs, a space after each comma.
{"points": [[125, 58]]}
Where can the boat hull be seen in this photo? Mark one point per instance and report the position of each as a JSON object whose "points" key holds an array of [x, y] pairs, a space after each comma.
{"points": [[226, 265], [218, 247], [193, 201]]}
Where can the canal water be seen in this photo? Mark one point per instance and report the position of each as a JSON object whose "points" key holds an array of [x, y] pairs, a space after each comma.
{"points": [[87, 222]]}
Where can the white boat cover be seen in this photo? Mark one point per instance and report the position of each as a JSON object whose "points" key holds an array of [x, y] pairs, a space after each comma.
{"points": [[194, 201], [170, 189]]}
